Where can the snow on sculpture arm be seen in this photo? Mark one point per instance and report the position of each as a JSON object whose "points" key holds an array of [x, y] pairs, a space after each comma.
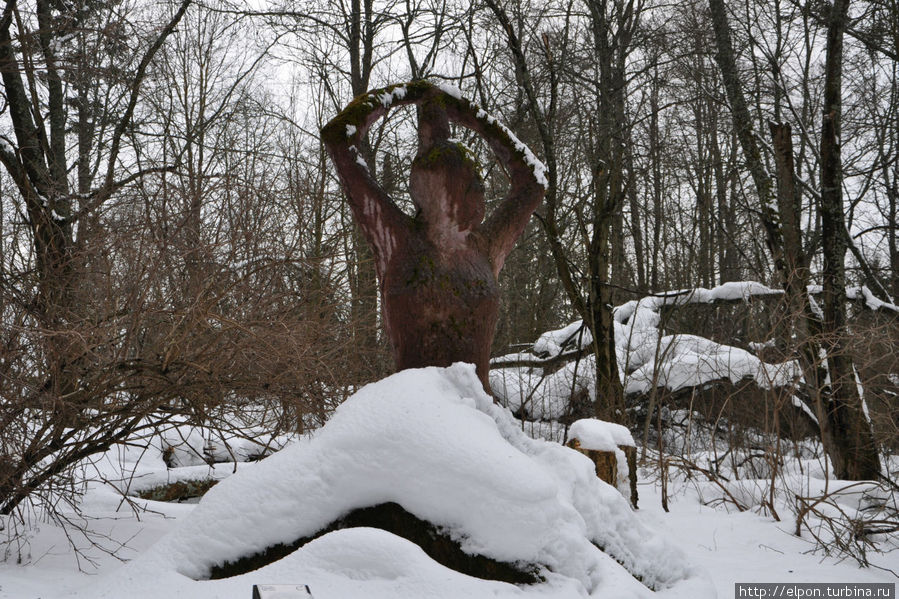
{"points": [[505, 224]]}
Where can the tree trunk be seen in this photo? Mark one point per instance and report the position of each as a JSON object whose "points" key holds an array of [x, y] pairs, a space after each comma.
{"points": [[610, 45], [636, 228], [845, 432], [855, 456], [364, 290]]}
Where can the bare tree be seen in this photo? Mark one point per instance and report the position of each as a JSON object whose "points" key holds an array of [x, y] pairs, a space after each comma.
{"points": [[183, 295], [37, 162], [844, 428], [858, 458], [611, 26]]}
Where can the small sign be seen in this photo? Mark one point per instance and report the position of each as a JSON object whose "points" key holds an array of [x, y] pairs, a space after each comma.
{"points": [[281, 591]]}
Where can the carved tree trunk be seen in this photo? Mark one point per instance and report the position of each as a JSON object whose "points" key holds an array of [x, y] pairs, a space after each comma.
{"points": [[437, 270], [440, 305]]}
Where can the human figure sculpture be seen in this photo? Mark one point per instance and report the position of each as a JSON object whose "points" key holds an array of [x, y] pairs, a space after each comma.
{"points": [[437, 270]]}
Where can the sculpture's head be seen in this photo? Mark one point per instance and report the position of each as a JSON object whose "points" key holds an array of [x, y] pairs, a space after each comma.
{"points": [[446, 184]]}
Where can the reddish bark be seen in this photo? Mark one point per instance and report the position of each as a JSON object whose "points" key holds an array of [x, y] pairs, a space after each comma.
{"points": [[437, 270]]}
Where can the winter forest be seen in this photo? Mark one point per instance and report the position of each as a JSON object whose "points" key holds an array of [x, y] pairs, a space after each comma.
{"points": [[438, 298]]}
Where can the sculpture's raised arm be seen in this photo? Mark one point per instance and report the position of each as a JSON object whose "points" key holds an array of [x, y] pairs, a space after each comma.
{"points": [[528, 184], [381, 221]]}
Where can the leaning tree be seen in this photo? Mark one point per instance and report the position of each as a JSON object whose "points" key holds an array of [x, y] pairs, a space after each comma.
{"points": [[437, 269]]}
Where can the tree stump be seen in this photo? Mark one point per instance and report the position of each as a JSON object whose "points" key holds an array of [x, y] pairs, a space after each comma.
{"points": [[612, 450]]}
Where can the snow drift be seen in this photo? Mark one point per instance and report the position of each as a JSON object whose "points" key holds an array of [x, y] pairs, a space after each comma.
{"points": [[432, 441]]}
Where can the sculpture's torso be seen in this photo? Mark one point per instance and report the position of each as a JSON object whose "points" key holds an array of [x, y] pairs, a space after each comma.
{"points": [[445, 303]]}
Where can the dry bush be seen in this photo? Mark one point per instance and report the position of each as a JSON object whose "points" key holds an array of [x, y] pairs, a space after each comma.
{"points": [[164, 324]]}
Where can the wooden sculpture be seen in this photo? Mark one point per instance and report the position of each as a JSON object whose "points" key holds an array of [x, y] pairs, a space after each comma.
{"points": [[437, 270]]}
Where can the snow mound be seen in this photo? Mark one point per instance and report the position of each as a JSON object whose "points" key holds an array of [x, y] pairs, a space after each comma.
{"points": [[189, 445], [532, 386], [432, 441], [551, 343]]}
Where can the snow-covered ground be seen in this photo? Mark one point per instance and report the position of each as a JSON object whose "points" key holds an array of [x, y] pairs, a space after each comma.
{"points": [[727, 546], [434, 442]]}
